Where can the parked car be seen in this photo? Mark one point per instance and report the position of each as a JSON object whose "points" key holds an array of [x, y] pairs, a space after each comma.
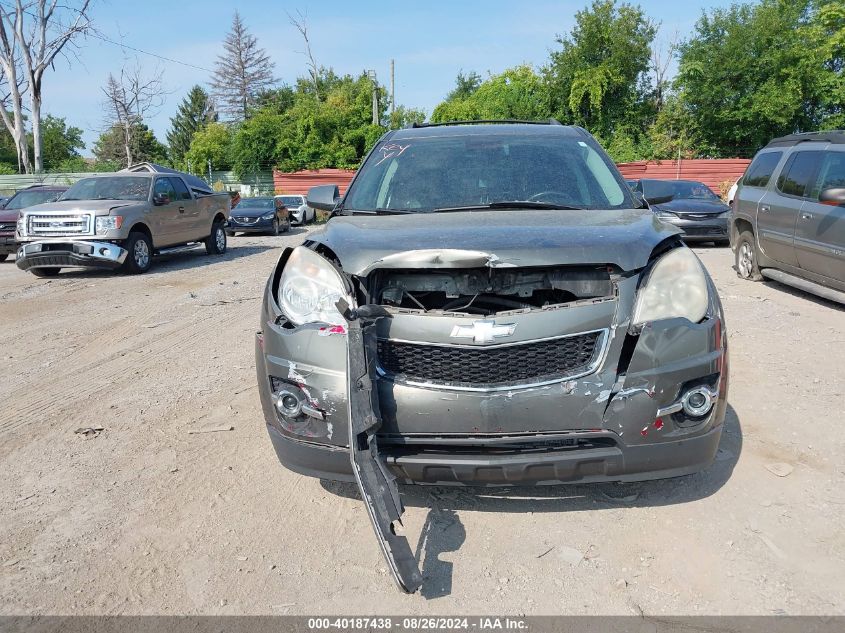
{"points": [[10, 209], [259, 215], [300, 212], [788, 222], [489, 304], [693, 207], [121, 220]]}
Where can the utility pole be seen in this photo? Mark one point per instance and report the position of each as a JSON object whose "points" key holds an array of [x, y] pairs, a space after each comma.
{"points": [[372, 75], [392, 89]]}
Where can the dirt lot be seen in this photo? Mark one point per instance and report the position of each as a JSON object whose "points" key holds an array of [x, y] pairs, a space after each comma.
{"points": [[147, 517]]}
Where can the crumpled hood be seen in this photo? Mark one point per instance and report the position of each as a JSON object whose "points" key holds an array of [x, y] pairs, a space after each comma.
{"points": [[97, 207], [501, 238]]}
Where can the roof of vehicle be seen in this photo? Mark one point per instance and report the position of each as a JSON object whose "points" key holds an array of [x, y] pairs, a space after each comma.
{"points": [[254, 198], [192, 181], [481, 128], [830, 136], [44, 188], [686, 182]]}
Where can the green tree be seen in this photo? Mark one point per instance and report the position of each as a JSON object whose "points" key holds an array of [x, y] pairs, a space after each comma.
{"points": [[517, 93], [211, 143], [465, 85], [599, 77], [403, 116], [755, 71], [60, 143], [195, 112], [145, 146]]}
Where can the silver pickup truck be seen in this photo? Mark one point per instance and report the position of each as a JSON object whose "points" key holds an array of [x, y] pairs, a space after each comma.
{"points": [[121, 220]]}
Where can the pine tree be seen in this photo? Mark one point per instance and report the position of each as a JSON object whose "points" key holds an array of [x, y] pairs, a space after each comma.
{"points": [[194, 113], [241, 72]]}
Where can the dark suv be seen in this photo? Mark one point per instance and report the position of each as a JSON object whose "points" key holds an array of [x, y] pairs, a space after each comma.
{"points": [[788, 221], [36, 194], [489, 304]]}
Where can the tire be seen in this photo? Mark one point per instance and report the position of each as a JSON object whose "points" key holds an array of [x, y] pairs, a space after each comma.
{"points": [[722, 243], [139, 259], [746, 257], [45, 272], [3, 257], [230, 234], [215, 243]]}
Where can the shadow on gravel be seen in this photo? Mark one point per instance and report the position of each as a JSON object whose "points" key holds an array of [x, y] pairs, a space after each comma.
{"points": [[444, 532]]}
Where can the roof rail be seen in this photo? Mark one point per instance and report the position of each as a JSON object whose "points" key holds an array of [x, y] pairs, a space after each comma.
{"points": [[827, 136], [482, 121]]}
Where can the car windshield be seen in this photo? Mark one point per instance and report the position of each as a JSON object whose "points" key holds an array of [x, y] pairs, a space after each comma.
{"points": [[692, 191], [24, 199], [110, 188], [292, 201], [430, 173], [256, 203]]}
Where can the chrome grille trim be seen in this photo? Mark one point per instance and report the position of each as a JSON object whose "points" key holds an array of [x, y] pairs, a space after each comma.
{"points": [[65, 224]]}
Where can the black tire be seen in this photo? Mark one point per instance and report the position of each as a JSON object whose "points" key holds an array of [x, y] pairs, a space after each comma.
{"points": [[139, 259], [747, 257], [722, 243], [215, 243], [4, 257], [45, 272], [230, 234]]}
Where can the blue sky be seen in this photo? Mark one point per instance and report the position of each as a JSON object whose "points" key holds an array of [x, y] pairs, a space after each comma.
{"points": [[429, 41]]}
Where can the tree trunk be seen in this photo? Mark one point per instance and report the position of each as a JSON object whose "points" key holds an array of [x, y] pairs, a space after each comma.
{"points": [[38, 158], [19, 134], [127, 141]]}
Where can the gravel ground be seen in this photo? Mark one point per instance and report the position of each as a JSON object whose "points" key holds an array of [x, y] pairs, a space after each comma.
{"points": [[147, 516]]}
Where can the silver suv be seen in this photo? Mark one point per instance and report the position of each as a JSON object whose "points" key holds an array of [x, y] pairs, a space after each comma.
{"points": [[788, 221]]}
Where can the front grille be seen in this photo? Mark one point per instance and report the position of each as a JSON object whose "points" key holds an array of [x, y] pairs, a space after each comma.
{"points": [[480, 366], [59, 224], [704, 230], [244, 220]]}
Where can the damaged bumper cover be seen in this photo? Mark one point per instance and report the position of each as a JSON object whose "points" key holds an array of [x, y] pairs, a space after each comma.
{"points": [[70, 254]]}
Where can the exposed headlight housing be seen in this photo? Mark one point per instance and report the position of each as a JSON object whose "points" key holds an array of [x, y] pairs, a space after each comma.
{"points": [[666, 214], [676, 287], [309, 288], [268, 216], [108, 223]]}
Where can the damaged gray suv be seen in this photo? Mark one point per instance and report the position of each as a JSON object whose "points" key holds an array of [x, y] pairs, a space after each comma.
{"points": [[489, 304]]}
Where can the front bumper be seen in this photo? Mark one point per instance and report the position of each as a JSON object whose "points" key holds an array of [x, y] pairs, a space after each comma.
{"points": [[261, 226], [70, 254], [297, 217], [701, 230], [8, 245]]}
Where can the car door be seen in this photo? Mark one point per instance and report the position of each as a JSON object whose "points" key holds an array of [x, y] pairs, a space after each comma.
{"points": [[166, 221], [820, 232], [188, 213], [777, 211], [752, 187]]}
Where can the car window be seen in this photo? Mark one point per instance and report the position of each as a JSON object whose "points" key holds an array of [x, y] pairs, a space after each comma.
{"points": [[831, 174], [427, 173], [761, 169], [180, 188], [292, 201], [794, 180], [165, 186], [257, 203], [109, 188], [692, 191], [24, 199]]}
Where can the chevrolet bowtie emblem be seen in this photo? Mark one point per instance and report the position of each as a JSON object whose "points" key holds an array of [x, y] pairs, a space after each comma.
{"points": [[483, 331]]}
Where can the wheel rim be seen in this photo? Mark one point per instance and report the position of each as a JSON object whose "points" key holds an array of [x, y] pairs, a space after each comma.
{"points": [[142, 254], [746, 259], [221, 239]]}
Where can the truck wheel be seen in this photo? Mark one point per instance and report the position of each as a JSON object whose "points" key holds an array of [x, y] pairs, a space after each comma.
{"points": [[215, 244], [746, 257], [45, 272], [140, 255]]}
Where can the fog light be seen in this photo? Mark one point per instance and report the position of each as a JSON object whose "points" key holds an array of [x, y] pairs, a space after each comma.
{"points": [[288, 404], [698, 401]]}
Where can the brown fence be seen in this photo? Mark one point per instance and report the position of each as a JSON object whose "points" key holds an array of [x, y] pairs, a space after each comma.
{"points": [[711, 171]]}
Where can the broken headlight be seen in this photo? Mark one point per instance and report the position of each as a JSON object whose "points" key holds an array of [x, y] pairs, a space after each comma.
{"points": [[676, 287], [309, 288]]}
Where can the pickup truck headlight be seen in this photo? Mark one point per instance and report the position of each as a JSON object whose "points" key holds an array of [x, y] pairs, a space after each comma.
{"points": [[108, 223], [675, 287], [269, 216], [21, 225], [309, 288]]}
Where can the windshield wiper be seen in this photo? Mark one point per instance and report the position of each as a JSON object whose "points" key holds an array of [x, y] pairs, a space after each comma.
{"points": [[510, 204], [382, 211]]}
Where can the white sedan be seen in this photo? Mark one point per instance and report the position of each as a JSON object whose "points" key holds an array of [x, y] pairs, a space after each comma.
{"points": [[300, 213]]}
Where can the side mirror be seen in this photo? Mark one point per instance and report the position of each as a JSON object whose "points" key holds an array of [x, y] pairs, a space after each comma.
{"points": [[658, 192], [323, 197], [833, 196], [160, 199]]}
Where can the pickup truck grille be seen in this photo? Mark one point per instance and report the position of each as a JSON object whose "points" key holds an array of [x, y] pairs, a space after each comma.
{"points": [[478, 367], [59, 225]]}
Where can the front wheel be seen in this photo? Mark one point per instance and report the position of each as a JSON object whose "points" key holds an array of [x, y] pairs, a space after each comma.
{"points": [[140, 253], [746, 257], [45, 272], [215, 243]]}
